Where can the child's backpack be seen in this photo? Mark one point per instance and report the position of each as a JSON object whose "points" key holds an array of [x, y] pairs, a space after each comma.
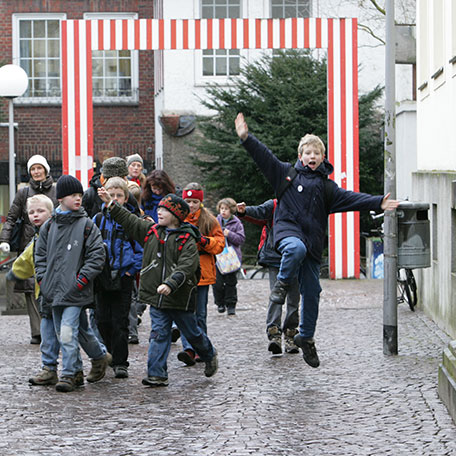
{"points": [[109, 279]]}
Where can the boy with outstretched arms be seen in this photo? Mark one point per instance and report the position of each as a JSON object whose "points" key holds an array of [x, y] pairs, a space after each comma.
{"points": [[301, 219], [169, 277], [69, 254]]}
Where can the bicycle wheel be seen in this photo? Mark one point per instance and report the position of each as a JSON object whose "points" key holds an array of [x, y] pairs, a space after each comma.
{"points": [[412, 289]]}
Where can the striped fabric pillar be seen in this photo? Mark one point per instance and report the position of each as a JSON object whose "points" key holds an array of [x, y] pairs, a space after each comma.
{"points": [[338, 36]]}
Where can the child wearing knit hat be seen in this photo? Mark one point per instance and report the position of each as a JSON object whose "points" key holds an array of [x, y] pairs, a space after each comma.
{"points": [[69, 255], [169, 275]]}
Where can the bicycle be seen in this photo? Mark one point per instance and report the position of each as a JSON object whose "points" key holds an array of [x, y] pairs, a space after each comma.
{"points": [[406, 284]]}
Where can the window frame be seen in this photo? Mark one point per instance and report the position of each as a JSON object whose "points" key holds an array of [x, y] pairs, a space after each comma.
{"points": [[16, 18], [309, 2], [202, 80], [134, 99]]}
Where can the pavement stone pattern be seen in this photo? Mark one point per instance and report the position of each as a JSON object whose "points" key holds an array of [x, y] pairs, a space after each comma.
{"points": [[359, 402]]}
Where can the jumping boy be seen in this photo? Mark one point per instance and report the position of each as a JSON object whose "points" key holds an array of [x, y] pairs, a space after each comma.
{"points": [[300, 221], [169, 277], [69, 254]]}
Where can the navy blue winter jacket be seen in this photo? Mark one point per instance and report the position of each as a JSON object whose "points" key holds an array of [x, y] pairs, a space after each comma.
{"points": [[114, 237], [301, 211], [150, 206]]}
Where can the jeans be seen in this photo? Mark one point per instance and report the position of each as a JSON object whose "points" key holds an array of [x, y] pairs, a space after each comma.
{"points": [[133, 314], [225, 292], [160, 338], [71, 326], [295, 261], [274, 315], [202, 294], [112, 312], [50, 345]]}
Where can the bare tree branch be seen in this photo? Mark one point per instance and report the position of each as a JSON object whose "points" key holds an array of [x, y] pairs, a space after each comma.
{"points": [[368, 30], [378, 7]]}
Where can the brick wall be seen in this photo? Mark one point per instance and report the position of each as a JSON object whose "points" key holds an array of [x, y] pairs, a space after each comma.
{"points": [[123, 129]]}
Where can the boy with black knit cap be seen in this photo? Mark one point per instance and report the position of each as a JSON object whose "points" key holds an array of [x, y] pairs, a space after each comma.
{"points": [[169, 276], [69, 254]]}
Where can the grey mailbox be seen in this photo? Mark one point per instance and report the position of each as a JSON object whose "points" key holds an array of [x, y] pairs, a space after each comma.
{"points": [[413, 233]]}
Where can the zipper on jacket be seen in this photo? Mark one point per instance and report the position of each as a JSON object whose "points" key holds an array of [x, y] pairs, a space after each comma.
{"points": [[163, 252]]}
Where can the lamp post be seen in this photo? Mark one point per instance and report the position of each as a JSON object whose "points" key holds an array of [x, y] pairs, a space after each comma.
{"points": [[13, 83]]}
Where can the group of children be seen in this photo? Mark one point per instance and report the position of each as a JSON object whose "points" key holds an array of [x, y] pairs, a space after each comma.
{"points": [[175, 256], [72, 253]]}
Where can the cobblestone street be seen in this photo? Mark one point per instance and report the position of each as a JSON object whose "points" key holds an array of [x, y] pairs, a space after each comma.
{"points": [[359, 402]]}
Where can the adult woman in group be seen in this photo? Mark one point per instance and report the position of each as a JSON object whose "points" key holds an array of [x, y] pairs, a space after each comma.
{"points": [[158, 185], [135, 166], [40, 183]]}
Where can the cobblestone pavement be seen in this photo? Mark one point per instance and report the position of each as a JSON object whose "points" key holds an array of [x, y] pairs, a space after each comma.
{"points": [[359, 402]]}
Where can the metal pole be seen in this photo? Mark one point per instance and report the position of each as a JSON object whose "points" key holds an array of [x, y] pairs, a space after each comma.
{"points": [[12, 170], [390, 228]]}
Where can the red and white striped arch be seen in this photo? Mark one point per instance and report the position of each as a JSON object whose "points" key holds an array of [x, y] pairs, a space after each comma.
{"points": [[338, 36]]}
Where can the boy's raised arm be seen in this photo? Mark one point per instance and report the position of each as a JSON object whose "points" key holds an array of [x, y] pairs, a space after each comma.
{"points": [[242, 129]]}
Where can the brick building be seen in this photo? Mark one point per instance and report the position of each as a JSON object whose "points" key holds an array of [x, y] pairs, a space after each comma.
{"points": [[123, 83]]}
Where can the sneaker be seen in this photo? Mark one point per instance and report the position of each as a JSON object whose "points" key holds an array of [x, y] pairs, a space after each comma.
{"points": [[133, 340], [279, 292], [35, 340], [275, 340], [99, 368], [211, 366], [309, 351], [65, 385], [175, 334], [231, 311], [155, 381], [120, 372], [290, 346], [45, 376], [79, 378], [187, 357], [221, 309]]}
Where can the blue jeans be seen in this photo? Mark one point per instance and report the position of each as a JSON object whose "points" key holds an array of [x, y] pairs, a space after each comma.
{"points": [[71, 326], [160, 338], [295, 261], [50, 345], [202, 293]]}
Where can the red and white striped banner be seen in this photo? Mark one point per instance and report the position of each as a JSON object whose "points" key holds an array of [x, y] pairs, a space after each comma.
{"points": [[338, 36]]}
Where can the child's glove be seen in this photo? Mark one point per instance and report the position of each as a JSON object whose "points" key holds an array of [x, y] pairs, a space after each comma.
{"points": [[203, 241], [10, 276], [5, 247], [81, 281]]}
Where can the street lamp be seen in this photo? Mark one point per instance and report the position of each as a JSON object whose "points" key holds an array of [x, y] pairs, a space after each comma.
{"points": [[13, 83]]}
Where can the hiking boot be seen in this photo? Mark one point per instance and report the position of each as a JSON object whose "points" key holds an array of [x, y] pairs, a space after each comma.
{"points": [[279, 292], [290, 346], [231, 310], [155, 381], [187, 357], [211, 366], [65, 385], [133, 340], [35, 340], [79, 378], [99, 368], [175, 334], [45, 376], [309, 351], [221, 309], [275, 340], [120, 372]]}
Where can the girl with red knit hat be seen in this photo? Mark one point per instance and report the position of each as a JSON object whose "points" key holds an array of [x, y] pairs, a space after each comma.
{"points": [[212, 242]]}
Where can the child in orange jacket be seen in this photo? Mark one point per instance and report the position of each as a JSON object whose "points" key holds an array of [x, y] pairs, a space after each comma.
{"points": [[212, 242]]}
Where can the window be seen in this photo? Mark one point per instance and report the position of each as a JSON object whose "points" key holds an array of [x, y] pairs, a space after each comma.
{"points": [[36, 48], [221, 62], [114, 73], [290, 8]]}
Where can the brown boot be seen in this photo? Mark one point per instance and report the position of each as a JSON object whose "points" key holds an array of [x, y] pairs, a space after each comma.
{"points": [[99, 367]]}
